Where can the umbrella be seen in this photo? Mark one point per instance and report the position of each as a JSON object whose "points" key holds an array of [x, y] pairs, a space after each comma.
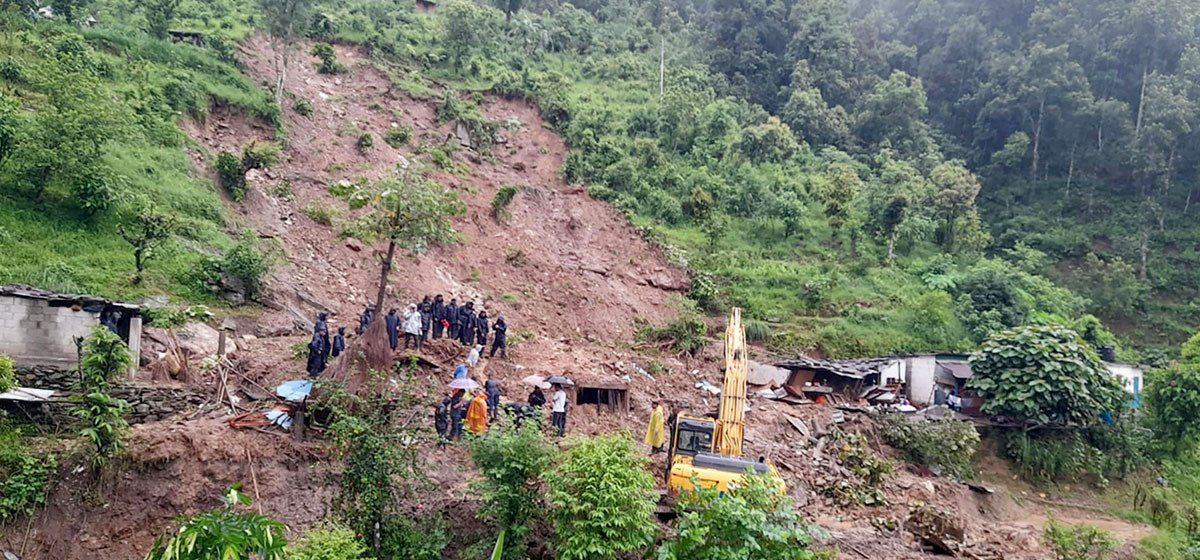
{"points": [[464, 383], [536, 381], [559, 380]]}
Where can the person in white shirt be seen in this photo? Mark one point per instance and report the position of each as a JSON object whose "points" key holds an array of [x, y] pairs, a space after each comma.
{"points": [[558, 417]]}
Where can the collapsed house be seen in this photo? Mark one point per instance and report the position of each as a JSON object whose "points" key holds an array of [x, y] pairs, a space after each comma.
{"points": [[914, 378]]}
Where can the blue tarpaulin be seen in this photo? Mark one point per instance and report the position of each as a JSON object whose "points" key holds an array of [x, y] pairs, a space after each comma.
{"points": [[294, 391]]}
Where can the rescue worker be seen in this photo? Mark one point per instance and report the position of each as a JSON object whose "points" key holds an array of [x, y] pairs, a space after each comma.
{"points": [[364, 320], [339, 342], [317, 353], [493, 397], [426, 310], [441, 421], [655, 433], [458, 409], [537, 398], [451, 318], [466, 324], [321, 325], [481, 328], [499, 338], [473, 357], [392, 321], [412, 327], [558, 414], [477, 414], [436, 310]]}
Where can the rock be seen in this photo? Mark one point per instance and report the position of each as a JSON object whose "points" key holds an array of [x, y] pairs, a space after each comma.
{"points": [[519, 166], [668, 282], [198, 339], [464, 136], [762, 374]]}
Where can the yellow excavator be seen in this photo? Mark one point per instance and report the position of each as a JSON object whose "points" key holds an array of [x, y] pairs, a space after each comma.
{"points": [[711, 449]]}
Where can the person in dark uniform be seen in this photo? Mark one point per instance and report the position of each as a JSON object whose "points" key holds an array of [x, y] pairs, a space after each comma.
{"points": [[481, 328], [393, 328], [321, 324], [493, 397], [318, 351], [458, 409], [499, 338], [466, 324], [426, 310], [364, 320], [339, 342], [451, 317], [441, 421], [437, 310]]}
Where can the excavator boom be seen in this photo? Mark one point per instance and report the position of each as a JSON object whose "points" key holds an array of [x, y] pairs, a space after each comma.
{"points": [[731, 422]]}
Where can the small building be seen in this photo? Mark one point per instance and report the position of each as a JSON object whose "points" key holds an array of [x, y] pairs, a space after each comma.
{"points": [[611, 395], [842, 380], [1132, 379], [426, 6], [39, 328]]}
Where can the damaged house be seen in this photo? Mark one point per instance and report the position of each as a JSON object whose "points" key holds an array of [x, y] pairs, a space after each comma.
{"points": [[879, 380], [39, 328]]}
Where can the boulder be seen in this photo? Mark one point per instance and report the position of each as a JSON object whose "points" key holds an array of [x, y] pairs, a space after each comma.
{"points": [[198, 340]]}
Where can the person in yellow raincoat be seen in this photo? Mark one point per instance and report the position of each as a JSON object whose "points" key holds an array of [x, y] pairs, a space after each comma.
{"points": [[655, 436], [477, 414]]}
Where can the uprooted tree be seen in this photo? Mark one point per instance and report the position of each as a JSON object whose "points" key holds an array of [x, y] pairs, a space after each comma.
{"points": [[406, 209]]}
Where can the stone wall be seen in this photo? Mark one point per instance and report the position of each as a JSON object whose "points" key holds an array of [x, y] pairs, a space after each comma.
{"points": [[35, 334], [47, 377], [148, 402]]}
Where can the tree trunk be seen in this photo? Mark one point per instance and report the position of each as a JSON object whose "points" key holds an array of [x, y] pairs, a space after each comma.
{"points": [[1188, 203], [1144, 251], [385, 268], [891, 254], [137, 264], [1037, 137], [1137, 127], [1070, 173]]}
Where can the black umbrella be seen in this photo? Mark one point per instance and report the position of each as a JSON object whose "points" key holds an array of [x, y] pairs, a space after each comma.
{"points": [[559, 380]]}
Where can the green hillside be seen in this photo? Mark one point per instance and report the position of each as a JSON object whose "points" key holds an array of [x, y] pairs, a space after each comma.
{"points": [[862, 177]]}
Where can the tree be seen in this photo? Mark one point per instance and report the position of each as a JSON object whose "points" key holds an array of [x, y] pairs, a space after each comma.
{"points": [[9, 126], [510, 7], [1043, 375], [840, 189], [893, 216], [224, 533], [789, 208], [104, 426], [955, 192], [159, 14], [771, 141], [406, 209], [602, 499], [511, 459], [894, 112], [1173, 399], [147, 232], [468, 27], [754, 521], [280, 18], [105, 356]]}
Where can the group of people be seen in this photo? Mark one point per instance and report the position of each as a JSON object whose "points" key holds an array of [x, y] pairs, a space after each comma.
{"points": [[321, 348], [479, 410], [419, 320], [433, 316]]}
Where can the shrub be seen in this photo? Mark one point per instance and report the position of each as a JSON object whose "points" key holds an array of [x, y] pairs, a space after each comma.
{"points": [[950, 444], [319, 213], [501, 202], [364, 143], [1078, 542], [231, 176], [753, 517], [329, 63], [603, 499], [866, 471], [104, 426], [8, 375], [245, 264], [224, 533], [511, 460], [757, 331], [259, 156], [399, 136], [1045, 374], [327, 542], [1056, 457], [105, 356], [303, 107]]}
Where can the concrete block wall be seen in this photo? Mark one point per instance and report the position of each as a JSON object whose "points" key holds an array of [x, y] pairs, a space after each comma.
{"points": [[35, 334]]}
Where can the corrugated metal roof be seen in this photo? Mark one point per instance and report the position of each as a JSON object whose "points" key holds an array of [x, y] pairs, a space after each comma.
{"points": [[854, 369], [29, 292], [959, 370]]}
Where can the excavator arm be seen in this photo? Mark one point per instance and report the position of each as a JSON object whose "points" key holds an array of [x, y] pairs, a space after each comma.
{"points": [[731, 422]]}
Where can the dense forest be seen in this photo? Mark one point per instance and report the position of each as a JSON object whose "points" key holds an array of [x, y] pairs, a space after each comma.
{"points": [[862, 177]]}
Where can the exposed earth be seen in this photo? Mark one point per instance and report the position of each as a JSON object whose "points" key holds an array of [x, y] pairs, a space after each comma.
{"points": [[570, 275]]}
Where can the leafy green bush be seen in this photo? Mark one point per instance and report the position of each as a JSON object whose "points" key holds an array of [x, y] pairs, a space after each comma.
{"points": [[105, 356], [364, 143], [24, 477], [684, 333], [1052, 457], [303, 107], [329, 63], [8, 374], [230, 175], [327, 542], [757, 331], [259, 156], [246, 264], [399, 136], [511, 460], [501, 202], [866, 469], [104, 426], [754, 517], [603, 499], [1078, 542], [1045, 374], [224, 533], [1173, 401], [320, 213], [950, 444]]}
